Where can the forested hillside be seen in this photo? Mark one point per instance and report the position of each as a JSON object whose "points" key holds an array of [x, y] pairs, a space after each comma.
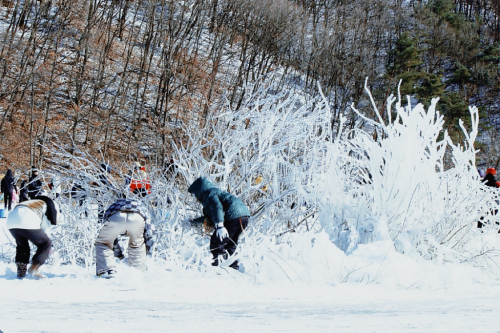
{"points": [[125, 80]]}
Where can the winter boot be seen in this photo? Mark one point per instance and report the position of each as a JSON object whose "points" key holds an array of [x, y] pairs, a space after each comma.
{"points": [[235, 265], [111, 274], [35, 272], [219, 259], [21, 270]]}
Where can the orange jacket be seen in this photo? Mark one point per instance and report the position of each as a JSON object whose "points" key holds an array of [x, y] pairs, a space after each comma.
{"points": [[141, 181]]}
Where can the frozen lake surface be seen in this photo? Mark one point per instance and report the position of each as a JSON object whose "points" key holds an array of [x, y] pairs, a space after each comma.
{"points": [[162, 301]]}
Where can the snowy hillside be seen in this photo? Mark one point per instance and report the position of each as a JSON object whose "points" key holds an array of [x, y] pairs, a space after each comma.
{"points": [[124, 79]]}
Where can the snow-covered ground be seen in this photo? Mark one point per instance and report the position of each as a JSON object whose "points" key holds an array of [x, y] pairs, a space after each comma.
{"points": [[411, 297], [162, 301]]}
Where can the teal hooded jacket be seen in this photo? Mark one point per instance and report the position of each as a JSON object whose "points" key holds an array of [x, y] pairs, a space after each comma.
{"points": [[218, 206]]}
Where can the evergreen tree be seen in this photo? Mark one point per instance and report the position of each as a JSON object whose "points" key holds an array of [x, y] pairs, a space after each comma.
{"points": [[404, 63], [429, 87]]}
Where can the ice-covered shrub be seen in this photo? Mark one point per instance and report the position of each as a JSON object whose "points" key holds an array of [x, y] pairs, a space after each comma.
{"points": [[396, 187], [310, 191], [260, 153]]}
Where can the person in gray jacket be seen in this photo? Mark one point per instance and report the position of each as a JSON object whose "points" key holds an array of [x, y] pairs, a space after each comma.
{"points": [[124, 216], [227, 213]]}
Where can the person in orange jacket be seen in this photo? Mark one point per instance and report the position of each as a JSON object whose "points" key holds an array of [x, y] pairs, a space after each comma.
{"points": [[490, 180], [139, 180]]}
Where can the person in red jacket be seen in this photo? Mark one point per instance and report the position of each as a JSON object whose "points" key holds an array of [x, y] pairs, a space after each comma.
{"points": [[139, 180], [490, 180]]}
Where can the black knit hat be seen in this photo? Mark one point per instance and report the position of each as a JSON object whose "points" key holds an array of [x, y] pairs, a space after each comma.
{"points": [[34, 169]]}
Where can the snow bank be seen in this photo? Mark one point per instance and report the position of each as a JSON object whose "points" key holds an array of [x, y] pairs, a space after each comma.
{"points": [[181, 300], [305, 260]]}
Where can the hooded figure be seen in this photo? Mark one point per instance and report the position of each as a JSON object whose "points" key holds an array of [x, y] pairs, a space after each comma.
{"points": [[27, 222], [35, 184], [226, 212], [23, 195], [8, 186]]}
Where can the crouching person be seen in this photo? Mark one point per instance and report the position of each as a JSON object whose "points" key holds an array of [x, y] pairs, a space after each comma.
{"points": [[228, 214], [124, 216], [27, 222]]}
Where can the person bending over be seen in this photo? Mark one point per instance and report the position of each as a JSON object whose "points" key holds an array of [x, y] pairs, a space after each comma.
{"points": [[27, 222], [124, 216], [228, 214]]}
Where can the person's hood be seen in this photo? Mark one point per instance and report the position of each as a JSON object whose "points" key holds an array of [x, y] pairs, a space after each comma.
{"points": [[8, 173], [199, 186]]}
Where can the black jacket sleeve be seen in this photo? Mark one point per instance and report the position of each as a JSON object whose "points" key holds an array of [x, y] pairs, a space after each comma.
{"points": [[51, 212]]}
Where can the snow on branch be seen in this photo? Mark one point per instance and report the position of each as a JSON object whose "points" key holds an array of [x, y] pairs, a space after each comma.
{"points": [[278, 154]]}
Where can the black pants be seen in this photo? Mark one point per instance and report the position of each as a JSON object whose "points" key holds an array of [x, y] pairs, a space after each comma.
{"points": [[23, 196], [7, 201], [143, 192], [228, 245], [37, 237]]}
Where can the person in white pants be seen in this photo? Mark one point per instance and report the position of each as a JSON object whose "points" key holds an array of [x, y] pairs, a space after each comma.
{"points": [[124, 216]]}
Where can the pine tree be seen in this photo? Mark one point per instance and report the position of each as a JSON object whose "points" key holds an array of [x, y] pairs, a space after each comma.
{"points": [[429, 87], [404, 63]]}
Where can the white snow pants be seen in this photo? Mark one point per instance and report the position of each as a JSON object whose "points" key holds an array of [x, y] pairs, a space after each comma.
{"points": [[119, 223]]}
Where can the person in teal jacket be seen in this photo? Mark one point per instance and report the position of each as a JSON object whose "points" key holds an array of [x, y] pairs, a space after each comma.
{"points": [[228, 214]]}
